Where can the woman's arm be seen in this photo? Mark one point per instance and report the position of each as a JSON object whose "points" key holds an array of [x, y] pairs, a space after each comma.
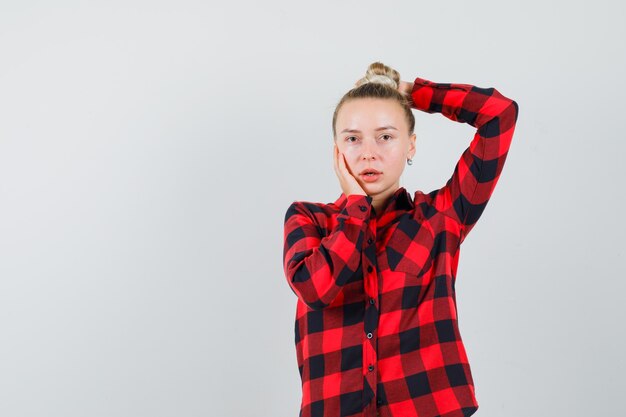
{"points": [[476, 173], [318, 267]]}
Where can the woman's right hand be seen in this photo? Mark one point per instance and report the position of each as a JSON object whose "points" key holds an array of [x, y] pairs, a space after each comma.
{"points": [[349, 184]]}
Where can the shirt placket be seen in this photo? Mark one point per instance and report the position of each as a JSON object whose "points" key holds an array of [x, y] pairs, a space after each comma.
{"points": [[370, 325]]}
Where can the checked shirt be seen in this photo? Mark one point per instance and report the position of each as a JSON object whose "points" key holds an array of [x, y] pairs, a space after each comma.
{"points": [[376, 330]]}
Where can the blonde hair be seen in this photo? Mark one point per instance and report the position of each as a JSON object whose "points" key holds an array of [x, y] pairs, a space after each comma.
{"points": [[380, 81]]}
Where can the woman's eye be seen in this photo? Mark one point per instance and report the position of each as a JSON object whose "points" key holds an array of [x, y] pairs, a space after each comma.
{"points": [[350, 137], [388, 136]]}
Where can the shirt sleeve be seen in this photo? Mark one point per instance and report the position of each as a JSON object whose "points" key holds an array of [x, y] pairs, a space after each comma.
{"points": [[466, 193], [316, 266]]}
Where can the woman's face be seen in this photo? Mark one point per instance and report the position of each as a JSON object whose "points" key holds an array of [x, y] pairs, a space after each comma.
{"points": [[373, 133]]}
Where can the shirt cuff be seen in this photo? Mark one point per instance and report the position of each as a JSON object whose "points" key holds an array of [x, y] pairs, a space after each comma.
{"points": [[358, 205]]}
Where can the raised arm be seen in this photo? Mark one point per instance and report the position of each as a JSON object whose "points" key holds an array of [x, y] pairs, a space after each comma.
{"points": [[476, 173], [317, 267]]}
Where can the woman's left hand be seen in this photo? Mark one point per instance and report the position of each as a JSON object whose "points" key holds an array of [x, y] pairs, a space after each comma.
{"points": [[405, 88]]}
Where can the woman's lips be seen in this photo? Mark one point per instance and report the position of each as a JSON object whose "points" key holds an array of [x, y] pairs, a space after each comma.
{"points": [[370, 177]]}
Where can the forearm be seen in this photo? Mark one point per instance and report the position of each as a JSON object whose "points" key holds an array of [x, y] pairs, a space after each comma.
{"points": [[318, 267], [494, 116], [463, 103]]}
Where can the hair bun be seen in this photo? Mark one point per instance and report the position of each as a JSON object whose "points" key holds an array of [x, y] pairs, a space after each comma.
{"points": [[380, 73]]}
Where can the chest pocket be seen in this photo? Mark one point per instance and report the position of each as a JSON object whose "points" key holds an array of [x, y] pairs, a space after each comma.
{"points": [[409, 246]]}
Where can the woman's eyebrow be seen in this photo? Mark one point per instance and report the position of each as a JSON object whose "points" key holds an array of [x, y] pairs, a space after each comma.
{"points": [[388, 127]]}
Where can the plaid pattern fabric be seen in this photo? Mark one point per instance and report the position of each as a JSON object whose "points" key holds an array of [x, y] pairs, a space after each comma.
{"points": [[376, 328]]}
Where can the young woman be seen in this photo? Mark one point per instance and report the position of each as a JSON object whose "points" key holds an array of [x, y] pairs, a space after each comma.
{"points": [[376, 328]]}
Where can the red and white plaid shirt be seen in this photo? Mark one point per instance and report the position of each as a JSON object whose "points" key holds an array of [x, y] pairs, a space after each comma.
{"points": [[376, 328]]}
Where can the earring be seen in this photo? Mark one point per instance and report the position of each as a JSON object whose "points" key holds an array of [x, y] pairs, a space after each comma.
{"points": [[409, 161]]}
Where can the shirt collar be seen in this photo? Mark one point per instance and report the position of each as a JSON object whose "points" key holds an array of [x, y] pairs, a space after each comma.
{"points": [[399, 200]]}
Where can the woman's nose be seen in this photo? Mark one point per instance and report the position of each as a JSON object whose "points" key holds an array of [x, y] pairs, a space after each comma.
{"points": [[368, 150]]}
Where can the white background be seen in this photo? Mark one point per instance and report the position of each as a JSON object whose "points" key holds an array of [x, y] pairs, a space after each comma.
{"points": [[150, 149]]}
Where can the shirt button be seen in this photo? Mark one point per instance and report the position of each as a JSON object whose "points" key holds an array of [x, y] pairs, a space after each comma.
{"points": [[369, 335], [372, 301], [363, 208], [369, 268], [370, 368], [369, 241]]}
